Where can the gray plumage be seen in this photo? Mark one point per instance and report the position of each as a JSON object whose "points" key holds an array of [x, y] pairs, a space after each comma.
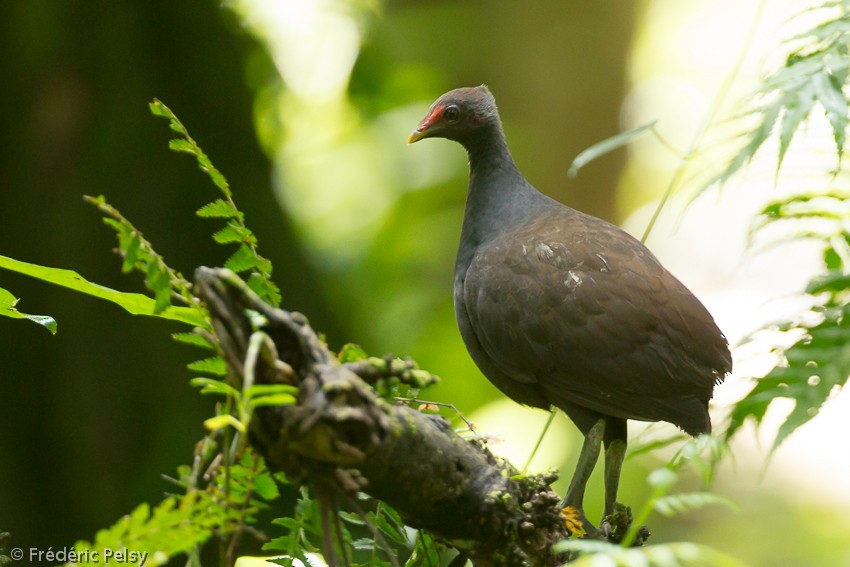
{"points": [[560, 308]]}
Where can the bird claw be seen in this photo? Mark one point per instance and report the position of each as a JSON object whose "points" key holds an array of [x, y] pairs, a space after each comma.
{"points": [[579, 526], [575, 521], [612, 528]]}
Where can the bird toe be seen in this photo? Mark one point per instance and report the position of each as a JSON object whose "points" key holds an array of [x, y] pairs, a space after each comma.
{"points": [[577, 523]]}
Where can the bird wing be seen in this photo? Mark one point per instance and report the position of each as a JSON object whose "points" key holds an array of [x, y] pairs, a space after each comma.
{"points": [[578, 306]]}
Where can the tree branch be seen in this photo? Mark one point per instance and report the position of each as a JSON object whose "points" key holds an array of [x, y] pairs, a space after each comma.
{"points": [[340, 436]]}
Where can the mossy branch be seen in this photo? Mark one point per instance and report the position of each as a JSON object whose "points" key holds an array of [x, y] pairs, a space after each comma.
{"points": [[340, 437]]}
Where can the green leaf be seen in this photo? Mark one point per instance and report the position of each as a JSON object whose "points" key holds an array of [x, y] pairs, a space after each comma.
{"points": [[351, 353], [181, 145], [173, 527], [794, 114], [218, 179], [597, 553], [273, 400], [8, 309], [212, 386], [218, 209], [131, 252], [193, 339], [266, 487], [214, 365], [662, 478], [223, 421], [134, 303], [816, 366], [265, 288], [242, 260], [159, 109], [234, 233], [268, 389], [756, 138], [674, 504], [158, 280], [638, 448], [606, 146], [830, 95]]}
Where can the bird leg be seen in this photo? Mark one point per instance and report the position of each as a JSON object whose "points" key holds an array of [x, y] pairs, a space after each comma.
{"points": [[615, 451], [616, 519], [612, 432], [586, 463]]}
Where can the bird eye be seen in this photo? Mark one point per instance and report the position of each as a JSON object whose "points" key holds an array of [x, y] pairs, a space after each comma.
{"points": [[451, 114]]}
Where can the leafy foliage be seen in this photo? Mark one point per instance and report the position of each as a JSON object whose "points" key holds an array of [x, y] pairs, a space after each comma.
{"points": [[303, 527], [817, 364], [661, 481], [4, 542], [597, 553], [138, 254], [814, 76], [178, 524], [224, 489], [134, 303], [245, 401], [675, 504], [246, 258], [8, 308], [608, 145], [376, 538]]}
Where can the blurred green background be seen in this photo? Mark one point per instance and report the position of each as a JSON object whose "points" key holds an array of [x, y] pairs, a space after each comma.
{"points": [[305, 107]]}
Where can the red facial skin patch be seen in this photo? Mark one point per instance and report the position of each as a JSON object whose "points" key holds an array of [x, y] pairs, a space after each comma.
{"points": [[434, 116]]}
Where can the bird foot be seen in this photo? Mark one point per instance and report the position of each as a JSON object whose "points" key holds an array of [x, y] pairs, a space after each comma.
{"points": [[576, 522], [613, 527]]}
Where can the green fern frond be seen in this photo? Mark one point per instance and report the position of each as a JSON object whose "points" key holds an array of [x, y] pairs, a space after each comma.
{"points": [[817, 364], [138, 254], [597, 553], [246, 258], [682, 502], [814, 76], [175, 526]]}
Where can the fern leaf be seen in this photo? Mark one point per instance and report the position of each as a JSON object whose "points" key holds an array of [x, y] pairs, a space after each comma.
{"points": [[263, 286], [182, 145], [211, 386], [214, 365], [234, 233], [218, 209], [674, 504], [242, 260], [596, 553], [829, 93], [173, 527], [193, 339], [795, 113], [817, 364]]}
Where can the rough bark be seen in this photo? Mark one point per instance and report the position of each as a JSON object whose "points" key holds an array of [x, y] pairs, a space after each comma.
{"points": [[341, 436]]}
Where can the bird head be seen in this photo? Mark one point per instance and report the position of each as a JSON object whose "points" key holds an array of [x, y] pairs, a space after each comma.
{"points": [[458, 115]]}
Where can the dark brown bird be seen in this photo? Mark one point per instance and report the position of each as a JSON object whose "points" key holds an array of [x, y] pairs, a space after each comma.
{"points": [[560, 308]]}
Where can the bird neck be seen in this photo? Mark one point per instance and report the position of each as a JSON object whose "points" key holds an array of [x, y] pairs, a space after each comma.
{"points": [[489, 154], [499, 196]]}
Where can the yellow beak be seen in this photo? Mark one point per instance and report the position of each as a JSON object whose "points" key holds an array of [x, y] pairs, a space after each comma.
{"points": [[417, 135]]}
